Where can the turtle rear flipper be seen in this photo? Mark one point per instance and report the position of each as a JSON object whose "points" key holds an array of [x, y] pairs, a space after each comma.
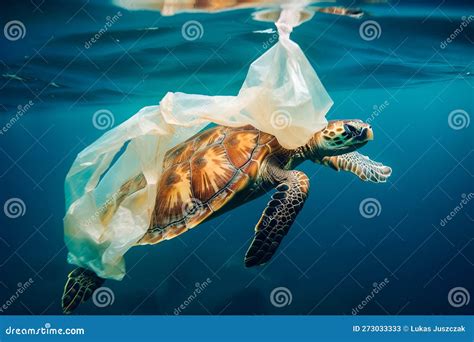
{"points": [[80, 285]]}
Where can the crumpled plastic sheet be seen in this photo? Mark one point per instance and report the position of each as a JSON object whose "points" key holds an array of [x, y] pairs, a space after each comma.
{"points": [[281, 95]]}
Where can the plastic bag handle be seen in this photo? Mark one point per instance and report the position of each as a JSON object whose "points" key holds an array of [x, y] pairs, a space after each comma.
{"points": [[289, 18]]}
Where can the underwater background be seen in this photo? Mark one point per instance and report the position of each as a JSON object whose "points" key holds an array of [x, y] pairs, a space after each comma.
{"points": [[403, 247]]}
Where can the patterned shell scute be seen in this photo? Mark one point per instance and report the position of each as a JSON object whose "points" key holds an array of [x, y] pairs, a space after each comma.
{"points": [[204, 173]]}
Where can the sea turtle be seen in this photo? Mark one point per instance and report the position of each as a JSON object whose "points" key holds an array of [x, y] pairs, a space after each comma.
{"points": [[223, 167]]}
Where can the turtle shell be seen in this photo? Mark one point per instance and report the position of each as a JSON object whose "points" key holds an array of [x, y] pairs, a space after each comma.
{"points": [[202, 174]]}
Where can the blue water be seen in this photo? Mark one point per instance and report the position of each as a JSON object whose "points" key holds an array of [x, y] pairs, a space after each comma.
{"points": [[332, 255]]}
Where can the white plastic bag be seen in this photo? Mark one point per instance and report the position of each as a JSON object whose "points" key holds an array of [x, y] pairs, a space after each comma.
{"points": [[281, 95]]}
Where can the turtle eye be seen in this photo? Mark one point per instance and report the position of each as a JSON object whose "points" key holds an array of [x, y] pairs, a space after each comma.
{"points": [[351, 130]]}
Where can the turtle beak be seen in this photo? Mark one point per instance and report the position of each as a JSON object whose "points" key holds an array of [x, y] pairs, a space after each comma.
{"points": [[369, 133], [366, 134]]}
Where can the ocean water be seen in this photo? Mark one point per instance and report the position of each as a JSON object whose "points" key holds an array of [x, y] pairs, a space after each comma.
{"points": [[414, 254]]}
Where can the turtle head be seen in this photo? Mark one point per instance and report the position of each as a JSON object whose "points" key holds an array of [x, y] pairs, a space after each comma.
{"points": [[339, 137]]}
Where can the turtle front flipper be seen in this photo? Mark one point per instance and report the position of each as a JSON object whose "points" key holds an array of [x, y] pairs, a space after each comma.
{"points": [[80, 285], [365, 168], [278, 216]]}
